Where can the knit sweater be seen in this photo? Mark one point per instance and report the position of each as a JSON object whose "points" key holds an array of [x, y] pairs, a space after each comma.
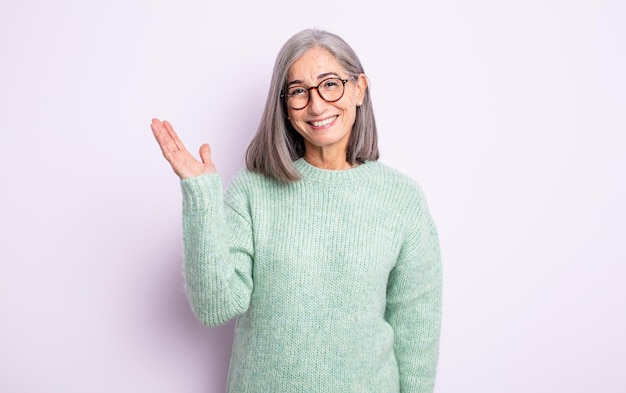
{"points": [[335, 279]]}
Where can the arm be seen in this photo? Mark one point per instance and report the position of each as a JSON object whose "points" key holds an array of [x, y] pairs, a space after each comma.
{"points": [[217, 239], [414, 305], [218, 252]]}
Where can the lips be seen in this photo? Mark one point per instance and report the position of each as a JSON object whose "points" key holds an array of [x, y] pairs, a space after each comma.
{"points": [[322, 123]]}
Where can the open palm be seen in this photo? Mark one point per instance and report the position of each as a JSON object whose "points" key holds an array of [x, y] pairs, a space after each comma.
{"points": [[183, 163]]}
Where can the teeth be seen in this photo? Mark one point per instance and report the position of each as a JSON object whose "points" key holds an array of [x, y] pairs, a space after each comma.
{"points": [[323, 122]]}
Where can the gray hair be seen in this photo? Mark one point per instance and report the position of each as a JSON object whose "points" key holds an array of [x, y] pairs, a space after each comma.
{"points": [[277, 144]]}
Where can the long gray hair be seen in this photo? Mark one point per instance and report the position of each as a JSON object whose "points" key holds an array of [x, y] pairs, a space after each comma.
{"points": [[277, 144]]}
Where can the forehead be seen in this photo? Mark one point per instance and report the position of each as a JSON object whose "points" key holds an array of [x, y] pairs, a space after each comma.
{"points": [[313, 65]]}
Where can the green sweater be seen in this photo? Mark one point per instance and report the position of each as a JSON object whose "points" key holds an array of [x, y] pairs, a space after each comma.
{"points": [[335, 279]]}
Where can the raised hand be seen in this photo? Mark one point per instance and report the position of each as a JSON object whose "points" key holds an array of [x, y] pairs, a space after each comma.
{"points": [[183, 163]]}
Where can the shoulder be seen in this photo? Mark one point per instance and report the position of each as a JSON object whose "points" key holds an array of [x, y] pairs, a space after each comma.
{"points": [[246, 184], [412, 208], [404, 195], [395, 181], [246, 181]]}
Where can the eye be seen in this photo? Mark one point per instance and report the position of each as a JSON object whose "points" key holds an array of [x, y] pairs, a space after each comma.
{"points": [[331, 84], [296, 91]]}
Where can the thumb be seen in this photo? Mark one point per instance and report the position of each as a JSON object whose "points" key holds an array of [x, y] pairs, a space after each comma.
{"points": [[205, 154]]}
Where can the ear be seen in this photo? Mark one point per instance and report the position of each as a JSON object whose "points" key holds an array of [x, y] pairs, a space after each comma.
{"points": [[361, 87]]}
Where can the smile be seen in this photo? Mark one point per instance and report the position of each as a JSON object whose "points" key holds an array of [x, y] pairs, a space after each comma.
{"points": [[322, 123]]}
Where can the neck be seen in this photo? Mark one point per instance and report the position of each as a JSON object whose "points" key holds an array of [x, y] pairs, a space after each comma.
{"points": [[326, 160]]}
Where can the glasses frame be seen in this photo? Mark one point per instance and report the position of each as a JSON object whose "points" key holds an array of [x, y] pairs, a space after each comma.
{"points": [[308, 89]]}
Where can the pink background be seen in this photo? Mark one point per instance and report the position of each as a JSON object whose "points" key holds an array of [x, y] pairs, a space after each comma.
{"points": [[510, 114]]}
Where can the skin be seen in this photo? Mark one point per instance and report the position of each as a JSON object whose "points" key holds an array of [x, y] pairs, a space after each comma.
{"points": [[183, 163], [325, 145]]}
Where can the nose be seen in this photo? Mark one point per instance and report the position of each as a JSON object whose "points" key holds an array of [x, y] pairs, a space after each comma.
{"points": [[317, 104]]}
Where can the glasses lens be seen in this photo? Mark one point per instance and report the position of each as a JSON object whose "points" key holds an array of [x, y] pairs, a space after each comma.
{"points": [[331, 89], [297, 97]]}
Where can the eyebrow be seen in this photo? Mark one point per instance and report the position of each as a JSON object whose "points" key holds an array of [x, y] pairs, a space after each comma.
{"points": [[320, 76]]}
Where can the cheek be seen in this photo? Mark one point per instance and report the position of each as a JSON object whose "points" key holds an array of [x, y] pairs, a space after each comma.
{"points": [[292, 116], [351, 101], [349, 108], [295, 122]]}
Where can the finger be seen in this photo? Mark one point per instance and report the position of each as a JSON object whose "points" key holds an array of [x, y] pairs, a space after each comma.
{"points": [[205, 154], [162, 136], [166, 137], [173, 135]]}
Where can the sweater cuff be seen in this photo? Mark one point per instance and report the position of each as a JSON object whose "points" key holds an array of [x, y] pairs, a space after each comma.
{"points": [[201, 193]]}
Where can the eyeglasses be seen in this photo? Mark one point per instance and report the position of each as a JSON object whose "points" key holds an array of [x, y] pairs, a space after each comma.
{"points": [[330, 90]]}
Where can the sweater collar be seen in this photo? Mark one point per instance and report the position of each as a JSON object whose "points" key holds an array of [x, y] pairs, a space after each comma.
{"points": [[312, 173]]}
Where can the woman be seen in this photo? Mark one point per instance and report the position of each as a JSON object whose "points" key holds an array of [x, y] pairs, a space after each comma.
{"points": [[328, 258]]}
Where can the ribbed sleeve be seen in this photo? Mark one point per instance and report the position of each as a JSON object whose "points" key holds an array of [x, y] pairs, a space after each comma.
{"points": [[414, 301], [218, 252]]}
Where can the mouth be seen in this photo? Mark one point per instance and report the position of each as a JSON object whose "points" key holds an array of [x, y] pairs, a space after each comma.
{"points": [[323, 123]]}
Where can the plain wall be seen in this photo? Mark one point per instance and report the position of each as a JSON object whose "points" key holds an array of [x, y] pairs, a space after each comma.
{"points": [[510, 114]]}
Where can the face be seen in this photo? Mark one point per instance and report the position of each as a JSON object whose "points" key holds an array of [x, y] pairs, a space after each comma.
{"points": [[324, 125]]}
